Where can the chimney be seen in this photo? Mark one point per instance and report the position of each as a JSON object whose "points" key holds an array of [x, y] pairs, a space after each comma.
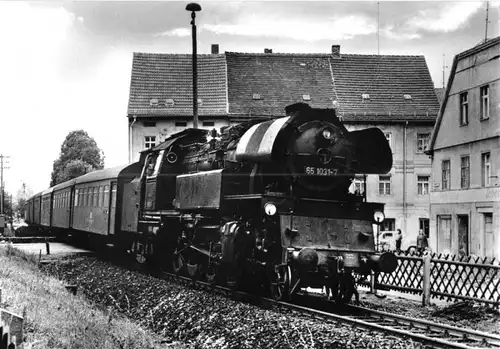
{"points": [[336, 50], [268, 50], [215, 49]]}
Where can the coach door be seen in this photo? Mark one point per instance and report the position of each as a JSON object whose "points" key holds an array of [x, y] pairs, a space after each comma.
{"points": [[112, 210]]}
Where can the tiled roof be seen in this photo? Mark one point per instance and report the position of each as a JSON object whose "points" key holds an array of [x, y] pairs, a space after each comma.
{"points": [[228, 82], [478, 48], [386, 79], [169, 76], [280, 80], [440, 93]]}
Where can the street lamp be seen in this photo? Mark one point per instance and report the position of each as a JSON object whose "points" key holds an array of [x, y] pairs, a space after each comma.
{"points": [[194, 7]]}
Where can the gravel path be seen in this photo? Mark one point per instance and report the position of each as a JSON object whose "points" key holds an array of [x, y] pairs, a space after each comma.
{"points": [[201, 319]]}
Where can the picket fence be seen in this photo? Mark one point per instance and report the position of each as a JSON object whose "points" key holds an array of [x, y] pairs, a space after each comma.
{"points": [[444, 276]]}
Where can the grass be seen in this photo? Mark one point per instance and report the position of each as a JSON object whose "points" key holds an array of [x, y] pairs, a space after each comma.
{"points": [[54, 318]]}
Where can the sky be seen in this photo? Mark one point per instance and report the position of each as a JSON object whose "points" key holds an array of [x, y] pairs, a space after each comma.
{"points": [[66, 65]]}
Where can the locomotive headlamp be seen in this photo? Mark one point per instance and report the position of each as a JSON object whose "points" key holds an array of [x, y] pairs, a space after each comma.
{"points": [[378, 217], [327, 133], [270, 209]]}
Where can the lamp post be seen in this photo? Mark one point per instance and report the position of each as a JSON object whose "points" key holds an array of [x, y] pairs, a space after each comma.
{"points": [[194, 7]]}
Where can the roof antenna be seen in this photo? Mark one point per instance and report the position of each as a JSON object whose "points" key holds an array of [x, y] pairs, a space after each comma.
{"points": [[378, 28], [444, 66], [486, 30]]}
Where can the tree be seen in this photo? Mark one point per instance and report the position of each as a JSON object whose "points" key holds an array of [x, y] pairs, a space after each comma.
{"points": [[23, 194], [7, 206], [79, 155]]}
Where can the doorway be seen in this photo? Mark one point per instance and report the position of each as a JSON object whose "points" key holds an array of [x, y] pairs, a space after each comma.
{"points": [[463, 235], [423, 223]]}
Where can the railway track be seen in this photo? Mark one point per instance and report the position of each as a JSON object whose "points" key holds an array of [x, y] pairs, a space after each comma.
{"points": [[427, 332], [423, 331]]}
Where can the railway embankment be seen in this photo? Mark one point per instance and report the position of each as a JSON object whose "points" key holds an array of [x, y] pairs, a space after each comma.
{"points": [[203, 319], [54, 318]]}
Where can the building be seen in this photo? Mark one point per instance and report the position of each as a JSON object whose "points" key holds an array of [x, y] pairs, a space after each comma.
{"points": [[465, 152], [394, 93]]}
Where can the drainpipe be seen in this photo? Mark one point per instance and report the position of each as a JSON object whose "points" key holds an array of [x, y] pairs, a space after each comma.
{"points": [[130, 139], [405, 139]]}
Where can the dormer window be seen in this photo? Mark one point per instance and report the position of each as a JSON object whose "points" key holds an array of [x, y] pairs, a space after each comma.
{"points": [[256, 96], [153, 102], [365, 96], [306, 97], [407, 96], [169, 102], [200, 101]]}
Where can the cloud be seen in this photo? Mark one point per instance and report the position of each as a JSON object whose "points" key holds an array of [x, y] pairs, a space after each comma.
{"points": [[450, 17], [335, 28], [392, 33], [179, 32]]}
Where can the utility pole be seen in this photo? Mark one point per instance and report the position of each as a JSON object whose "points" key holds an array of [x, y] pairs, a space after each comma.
{"points": [[2, 167]]}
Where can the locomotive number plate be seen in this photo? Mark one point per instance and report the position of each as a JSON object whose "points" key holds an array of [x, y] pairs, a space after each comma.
{"points": [[319, 171]]}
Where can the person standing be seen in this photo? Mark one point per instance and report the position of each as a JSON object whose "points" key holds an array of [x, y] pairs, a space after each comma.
{"points": [[399, 240], [422, 243]]}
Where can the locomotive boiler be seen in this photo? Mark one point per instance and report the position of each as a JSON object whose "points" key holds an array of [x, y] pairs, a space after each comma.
{"points": [[264, 204]]}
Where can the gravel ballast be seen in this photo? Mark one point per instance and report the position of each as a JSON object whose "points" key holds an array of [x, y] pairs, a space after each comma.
{"points": [[203, 319]]}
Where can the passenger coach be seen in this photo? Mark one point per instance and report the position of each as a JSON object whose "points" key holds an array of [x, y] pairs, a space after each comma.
{"points": [[86, 204]]}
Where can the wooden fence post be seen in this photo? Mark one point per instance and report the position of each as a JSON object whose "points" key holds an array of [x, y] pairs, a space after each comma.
{"points": [[47, 246], [373, 281], [426, 280], [11, 327]]}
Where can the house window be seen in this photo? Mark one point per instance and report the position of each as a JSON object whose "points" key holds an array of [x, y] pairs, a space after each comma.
{"points": [[389, 224], [388, 136], [445, 171], [208, 123], [149, 142], [181, 123], [423, 185], [149, 124], [357, 186], [464, 109], [485, 169], [384, 185], [422, 141], [485, 102], [464, 171]]}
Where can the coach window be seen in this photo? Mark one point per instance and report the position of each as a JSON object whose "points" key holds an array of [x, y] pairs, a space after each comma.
{"points": [[106, 195], [95, 196], [101, 196]]}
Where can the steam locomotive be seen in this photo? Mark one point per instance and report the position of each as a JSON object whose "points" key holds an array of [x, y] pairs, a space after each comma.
{"points": [[267, 201]]}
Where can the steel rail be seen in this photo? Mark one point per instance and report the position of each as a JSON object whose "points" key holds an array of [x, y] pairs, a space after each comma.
{"points": [[421, 330], [455, 333]]}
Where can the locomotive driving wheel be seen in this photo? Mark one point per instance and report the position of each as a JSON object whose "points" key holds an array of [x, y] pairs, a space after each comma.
{"points": [[280, 282]]}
